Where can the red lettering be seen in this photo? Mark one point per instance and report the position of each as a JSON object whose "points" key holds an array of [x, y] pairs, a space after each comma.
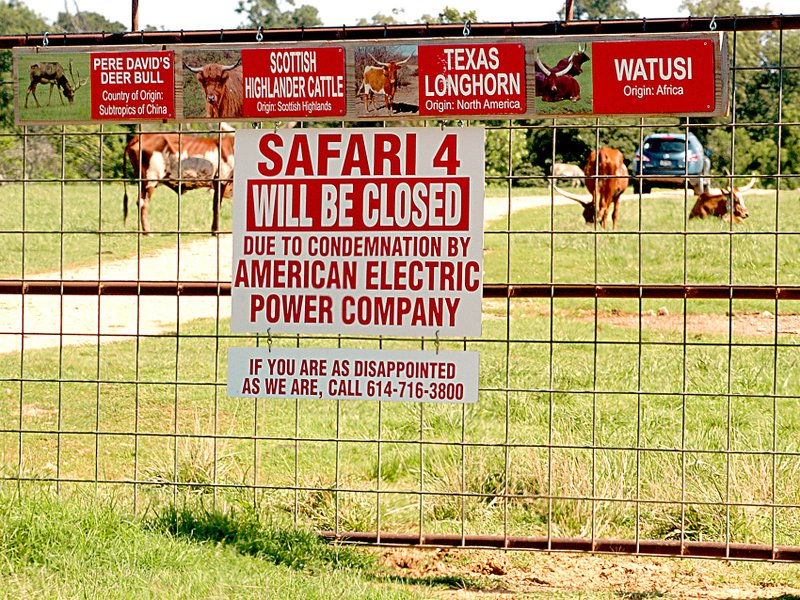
{"points": [[266, 146], [355, 157], [299, 157], [387, 150], [325, 152]]}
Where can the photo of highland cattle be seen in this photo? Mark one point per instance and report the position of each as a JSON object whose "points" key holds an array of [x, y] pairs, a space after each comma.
{"points": [[212, 84]]}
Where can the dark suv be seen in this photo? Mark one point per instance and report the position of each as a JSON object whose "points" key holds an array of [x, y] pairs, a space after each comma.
{"points": [[668, 162]]}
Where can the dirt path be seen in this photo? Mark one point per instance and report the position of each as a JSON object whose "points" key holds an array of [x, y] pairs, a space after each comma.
{"points": [[39, 321]]}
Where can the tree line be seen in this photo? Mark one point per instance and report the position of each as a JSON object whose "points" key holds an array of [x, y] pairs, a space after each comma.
{"points": [[767, 94]]}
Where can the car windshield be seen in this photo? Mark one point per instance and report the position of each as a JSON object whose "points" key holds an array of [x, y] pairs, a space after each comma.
{"points": [[665, 145]]}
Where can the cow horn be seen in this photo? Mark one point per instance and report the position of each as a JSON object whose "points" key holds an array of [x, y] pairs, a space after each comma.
{"points": [[749, 185], [581, 47], [569, 196], [193, 69], [377, 61], [540, 64], [566, 69], [402, 62], [233, 66]]}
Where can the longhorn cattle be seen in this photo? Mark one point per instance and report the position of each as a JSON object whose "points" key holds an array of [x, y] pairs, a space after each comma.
{"points": [[554, 85], [53, 73], [606, 180], [381, 79], [182, 163], [567, 171], [727, 203], [222, 87]]}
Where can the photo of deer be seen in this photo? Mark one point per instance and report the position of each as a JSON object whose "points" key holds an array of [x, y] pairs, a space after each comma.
{"points": [[53, 87]]}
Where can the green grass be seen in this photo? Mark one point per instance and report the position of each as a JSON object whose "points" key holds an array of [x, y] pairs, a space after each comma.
{"points": [[560, 419], [81, 548], [46, 227]]}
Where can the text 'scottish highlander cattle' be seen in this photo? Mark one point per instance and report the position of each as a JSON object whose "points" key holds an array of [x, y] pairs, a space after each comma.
{"points": [[381, 79], [567, 171], [222, 86], [606, 180], [181, 162], [727, 203], [554, 85], [53, 73]]}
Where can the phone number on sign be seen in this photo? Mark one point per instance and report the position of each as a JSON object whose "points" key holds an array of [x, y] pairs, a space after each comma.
{"points": [[416, 390]]}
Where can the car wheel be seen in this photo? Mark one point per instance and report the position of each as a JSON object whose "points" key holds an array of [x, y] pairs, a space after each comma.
{"points": [[646, 187], [635, 186]]}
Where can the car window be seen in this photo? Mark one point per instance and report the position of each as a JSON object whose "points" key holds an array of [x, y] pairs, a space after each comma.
{"points": [[665, 145]]}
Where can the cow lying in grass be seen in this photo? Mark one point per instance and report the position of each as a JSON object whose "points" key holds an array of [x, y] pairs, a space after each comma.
{"points": [[727, 203]]}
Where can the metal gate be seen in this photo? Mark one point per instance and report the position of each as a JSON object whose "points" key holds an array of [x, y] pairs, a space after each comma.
{"points": [[638, 388]]}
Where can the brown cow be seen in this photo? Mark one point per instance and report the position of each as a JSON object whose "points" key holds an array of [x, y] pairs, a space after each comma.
{"points": [[222, 86], [381, 80], [606, 180], [727, 203], [182, 163], [53, 73]]}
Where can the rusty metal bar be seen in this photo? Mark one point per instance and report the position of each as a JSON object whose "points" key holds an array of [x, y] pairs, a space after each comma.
{"points": [[493, 290], [372, 32], [685, 549]]}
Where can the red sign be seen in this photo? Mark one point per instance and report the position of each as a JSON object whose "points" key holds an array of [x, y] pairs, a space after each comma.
{"points": [[133, 86], [296, 82], [474, 79], [359, 204], [654, 77]]}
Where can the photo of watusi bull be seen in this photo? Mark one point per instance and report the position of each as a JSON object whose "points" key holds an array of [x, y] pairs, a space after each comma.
{"points": [[556, 85]]}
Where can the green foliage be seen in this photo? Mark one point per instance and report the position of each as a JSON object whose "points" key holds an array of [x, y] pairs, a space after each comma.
{"points": [[382, 19], [268, 14], [450, 15], [83, 21], [600, 9], [16, 17], [502, 155]]}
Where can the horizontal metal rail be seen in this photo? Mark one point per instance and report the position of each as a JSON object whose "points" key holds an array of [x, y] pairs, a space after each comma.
{"points": [[493, 290], [388, 32], [685, 548]]}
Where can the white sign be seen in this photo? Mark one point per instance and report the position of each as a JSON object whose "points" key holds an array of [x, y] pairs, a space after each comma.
{"points": [[352, 374], [363, 231]]}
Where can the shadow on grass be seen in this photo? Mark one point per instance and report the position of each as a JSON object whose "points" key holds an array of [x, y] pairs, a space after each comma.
{"points": [[293, 548]]}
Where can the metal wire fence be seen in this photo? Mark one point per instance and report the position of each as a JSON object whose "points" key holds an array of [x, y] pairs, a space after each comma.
{"points": [[638, 387]]}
